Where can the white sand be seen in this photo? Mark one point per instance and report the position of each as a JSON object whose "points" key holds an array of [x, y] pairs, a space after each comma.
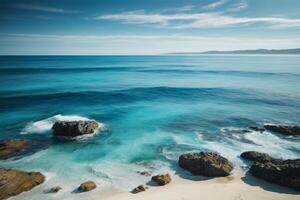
{"points": [[230, 188]]}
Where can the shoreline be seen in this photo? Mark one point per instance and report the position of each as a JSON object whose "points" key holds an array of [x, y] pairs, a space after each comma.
{"points": [[234, 187]]}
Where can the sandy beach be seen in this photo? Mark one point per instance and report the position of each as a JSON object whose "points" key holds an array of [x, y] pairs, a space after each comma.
{"points": [[228, 188]]}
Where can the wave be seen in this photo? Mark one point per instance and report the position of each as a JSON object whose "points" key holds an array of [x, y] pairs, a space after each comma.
{"points": [[45, 125]]}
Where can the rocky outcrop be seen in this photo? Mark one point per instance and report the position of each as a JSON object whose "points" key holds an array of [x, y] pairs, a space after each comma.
{"points": [[161, 179], [87, 186], [282, 172], [14, 182], [9, 148], [144, 173], [138, 189], [255, 156], [284, 129], [206, 164], [74, 128]]}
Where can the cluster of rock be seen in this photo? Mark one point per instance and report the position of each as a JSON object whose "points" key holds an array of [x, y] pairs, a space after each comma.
{"points": [[282, 172], [14, 182], [277, 128]]}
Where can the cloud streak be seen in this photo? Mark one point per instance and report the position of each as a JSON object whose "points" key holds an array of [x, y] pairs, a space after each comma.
{"points": [[43, 8], [215, 4], [197, 20]]}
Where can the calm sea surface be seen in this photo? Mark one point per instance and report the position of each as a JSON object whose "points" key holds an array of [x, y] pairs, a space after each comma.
{"points": [[153, 108]]}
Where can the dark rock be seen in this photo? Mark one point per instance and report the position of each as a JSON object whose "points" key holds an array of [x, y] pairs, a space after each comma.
{"points": [[54, 189], [161, 179], [255, 156], [144, 173], [14, 182], [284, 129], [282, 172], [206, 164], [9, 148], [74, 128], [87, 186], [255, 128], [138, 189]]}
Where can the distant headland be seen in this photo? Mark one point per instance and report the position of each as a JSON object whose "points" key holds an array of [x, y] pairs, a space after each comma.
{"points": [[254, 51]]}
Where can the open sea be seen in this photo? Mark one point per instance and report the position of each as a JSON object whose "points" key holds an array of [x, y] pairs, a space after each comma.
{"points": [[153, 108]]}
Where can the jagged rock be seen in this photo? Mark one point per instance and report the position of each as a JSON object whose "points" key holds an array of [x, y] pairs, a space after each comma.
{"points": [[74, 128], [206, 164], [14, 182], [138, 189], [255, 156], [87, 186], [284, 129], [282, 172], [9, 148], [161, 179], [54, 189], [255, 128]]}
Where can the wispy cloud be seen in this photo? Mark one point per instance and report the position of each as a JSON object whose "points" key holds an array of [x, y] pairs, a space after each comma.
{"points": [[238, 7], [196, 20], [43, 8], [215, 4]]}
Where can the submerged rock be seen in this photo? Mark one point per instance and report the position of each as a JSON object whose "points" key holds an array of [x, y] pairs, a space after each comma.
{"points": [[206, 164], [284, 129], [255, 128], [9, 148], [162, 179], [14, 182], [282, 172], [255, 156], [138, 189], [144, 173], [87, 186], [74, 128], [54, 189]]}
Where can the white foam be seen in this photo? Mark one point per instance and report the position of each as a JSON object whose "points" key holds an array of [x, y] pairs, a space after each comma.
{"points": [[45, 125]]}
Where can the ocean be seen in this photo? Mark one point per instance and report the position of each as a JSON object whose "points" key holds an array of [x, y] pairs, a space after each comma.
{"points": [[153, 108]]}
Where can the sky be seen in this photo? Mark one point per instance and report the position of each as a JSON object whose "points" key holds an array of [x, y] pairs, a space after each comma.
{"points": [[140, 27]]}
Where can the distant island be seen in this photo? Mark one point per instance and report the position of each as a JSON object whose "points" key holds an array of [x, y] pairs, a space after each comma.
{"points": [[255, 51]]}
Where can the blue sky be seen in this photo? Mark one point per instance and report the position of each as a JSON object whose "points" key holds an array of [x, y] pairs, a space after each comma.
{"points": [[146, 26]]}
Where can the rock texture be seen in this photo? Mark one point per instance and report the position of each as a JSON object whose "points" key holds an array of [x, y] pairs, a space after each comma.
{"points": [[138, 189], [14, 182], [282, 172], [74, 128], [255, 156], [9, 148], [206, 164], [162, 179], [87, 186], [255, 128], [284, 129]]}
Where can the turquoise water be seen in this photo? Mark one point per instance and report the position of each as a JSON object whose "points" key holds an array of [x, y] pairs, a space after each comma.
{"points": [[153, 108]]}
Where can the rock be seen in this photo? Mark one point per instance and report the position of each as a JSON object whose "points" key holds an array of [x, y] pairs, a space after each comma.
{"points": [[282, 172], [87, 186], [255, 156], [138, 189], [161, 179], [284, 129], [206, 164], [144, 173], [9, 148], [74, 128], [54, 189], [14, 182], [255, 128]]}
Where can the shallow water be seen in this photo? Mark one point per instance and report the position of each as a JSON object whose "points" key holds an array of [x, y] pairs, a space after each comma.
{"points": [[153, 108]]}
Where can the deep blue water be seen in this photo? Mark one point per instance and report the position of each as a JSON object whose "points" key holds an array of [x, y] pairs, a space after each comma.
{"points": [[153, 108]]}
